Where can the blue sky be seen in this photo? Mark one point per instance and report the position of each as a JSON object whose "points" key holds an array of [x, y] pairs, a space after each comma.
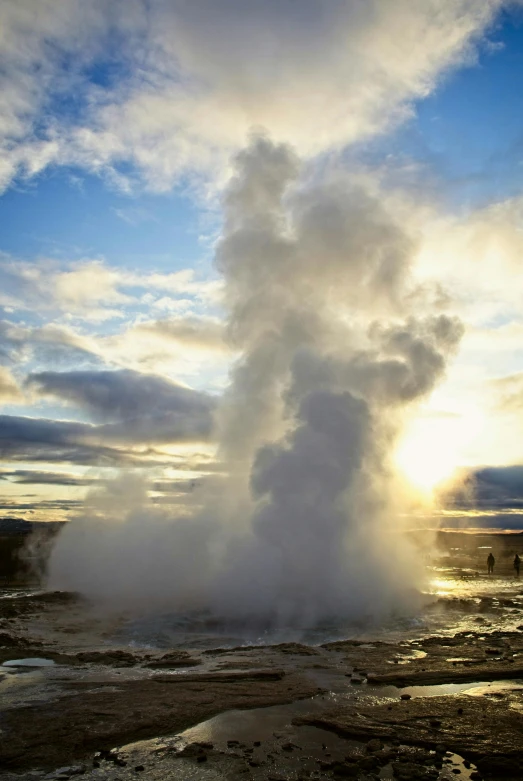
{"points": [[120, 126], [72, 214]]}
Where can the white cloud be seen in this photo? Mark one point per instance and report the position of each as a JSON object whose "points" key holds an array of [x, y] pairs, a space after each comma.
{"points": [[90, 289], [9, 389], [195, 77]]}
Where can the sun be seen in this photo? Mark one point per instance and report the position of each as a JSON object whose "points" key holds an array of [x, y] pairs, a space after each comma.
{"points": [[433, 449]]}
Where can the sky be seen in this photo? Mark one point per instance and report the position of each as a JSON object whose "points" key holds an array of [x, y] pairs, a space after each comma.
{"points": [[120, 124]]}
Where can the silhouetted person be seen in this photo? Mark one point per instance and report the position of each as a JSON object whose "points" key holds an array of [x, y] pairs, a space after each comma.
{"points": [[517, 564], [490, 564]]}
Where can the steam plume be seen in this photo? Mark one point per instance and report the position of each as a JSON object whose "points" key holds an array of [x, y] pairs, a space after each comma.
{"points": [[322, 309]]}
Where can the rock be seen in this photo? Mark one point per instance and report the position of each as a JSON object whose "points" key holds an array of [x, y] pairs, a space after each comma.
{"points": [[114, 657], [345, 771], [191, 750], [405, 697], [374, 745], [7, 640], [368, 763], [499, 766], [174, 659], [139, 768]]}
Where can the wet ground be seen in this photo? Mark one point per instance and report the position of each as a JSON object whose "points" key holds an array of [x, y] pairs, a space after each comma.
{"points": [[433, 696]]}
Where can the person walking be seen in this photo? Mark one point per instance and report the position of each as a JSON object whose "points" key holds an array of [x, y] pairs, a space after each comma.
{"points": [[517, 564], [490, 563]]}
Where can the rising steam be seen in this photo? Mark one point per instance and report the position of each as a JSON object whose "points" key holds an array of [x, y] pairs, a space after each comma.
{"points": [[302, 527]]}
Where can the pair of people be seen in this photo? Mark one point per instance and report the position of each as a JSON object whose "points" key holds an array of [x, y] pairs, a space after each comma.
{"points": [[491, 561]]}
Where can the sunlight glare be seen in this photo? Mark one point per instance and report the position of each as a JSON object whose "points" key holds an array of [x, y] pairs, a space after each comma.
{"points": [[433, 449]]}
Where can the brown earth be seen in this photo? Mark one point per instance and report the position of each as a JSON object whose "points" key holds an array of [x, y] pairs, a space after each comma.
{"points": [[75, 726], [484, 731]]}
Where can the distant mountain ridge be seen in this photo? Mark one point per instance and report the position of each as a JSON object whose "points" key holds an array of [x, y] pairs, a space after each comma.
{"points": [[15, 526]]}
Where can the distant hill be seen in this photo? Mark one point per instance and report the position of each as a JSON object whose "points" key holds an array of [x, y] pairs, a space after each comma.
{"points": [[10, 527], [24, 549]]}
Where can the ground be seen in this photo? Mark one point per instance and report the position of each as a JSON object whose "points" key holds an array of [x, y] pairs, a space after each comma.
{"points": [[435, 705]]}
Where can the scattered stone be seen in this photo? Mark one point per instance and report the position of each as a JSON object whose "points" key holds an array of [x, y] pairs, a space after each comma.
{"points": [[173, 660], [191, 750], [114, 658]]}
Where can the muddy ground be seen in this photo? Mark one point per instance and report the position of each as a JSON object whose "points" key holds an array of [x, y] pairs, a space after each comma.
{"points": [[436, 706]]}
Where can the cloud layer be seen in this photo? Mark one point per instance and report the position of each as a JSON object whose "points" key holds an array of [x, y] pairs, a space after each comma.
{"points": [[192, 79]]}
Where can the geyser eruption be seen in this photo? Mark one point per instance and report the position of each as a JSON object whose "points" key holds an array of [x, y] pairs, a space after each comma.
{"points": [[323, 311]]}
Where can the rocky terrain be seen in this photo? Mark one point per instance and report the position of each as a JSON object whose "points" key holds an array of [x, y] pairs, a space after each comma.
{"points": [[434, 706]]}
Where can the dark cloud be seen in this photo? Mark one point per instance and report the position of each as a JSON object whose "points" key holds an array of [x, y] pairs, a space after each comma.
{"points": [[45, 505], [137, 410], [490, 488], [63, 442], [54, 441], [140, 408], [34, 477]]}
